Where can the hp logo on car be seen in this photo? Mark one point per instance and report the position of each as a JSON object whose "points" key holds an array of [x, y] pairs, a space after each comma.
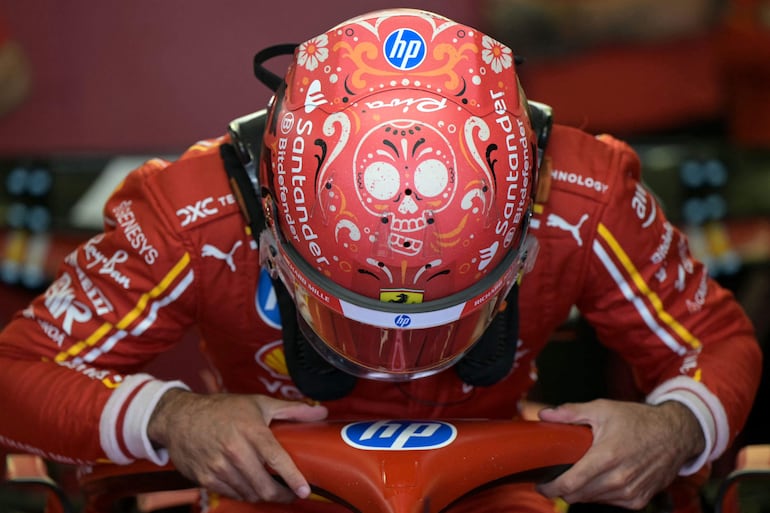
{"points": [[405, 49], [399, 435]]}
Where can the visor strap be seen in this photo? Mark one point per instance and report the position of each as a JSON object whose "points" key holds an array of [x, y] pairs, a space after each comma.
{"points": [[491, 358], [312, 374]]}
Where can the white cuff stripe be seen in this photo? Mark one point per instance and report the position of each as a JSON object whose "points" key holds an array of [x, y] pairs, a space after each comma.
{"points": [[108, 436], [138, 417], [695, 405], [706, 407], [136, 413]]}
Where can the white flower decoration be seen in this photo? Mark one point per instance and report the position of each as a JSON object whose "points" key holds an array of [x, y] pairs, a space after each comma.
{"points": [[497, 55], [313, 52]]}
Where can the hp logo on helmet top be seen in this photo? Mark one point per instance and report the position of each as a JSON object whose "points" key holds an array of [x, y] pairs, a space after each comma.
{"points": [[402, 321], [405, 49]]}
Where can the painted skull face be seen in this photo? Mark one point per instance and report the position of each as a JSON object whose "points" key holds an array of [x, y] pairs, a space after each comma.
{"points": [[405, 174], [399, 157]]}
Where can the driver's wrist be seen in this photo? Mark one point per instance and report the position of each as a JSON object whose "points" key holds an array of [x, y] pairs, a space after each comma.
{"points": [[123, 425], [707, 409], [685, 422], [158, 425]]}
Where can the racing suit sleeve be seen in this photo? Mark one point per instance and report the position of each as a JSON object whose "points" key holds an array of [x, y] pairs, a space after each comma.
{"points": [[685, 337], [71, 386]]}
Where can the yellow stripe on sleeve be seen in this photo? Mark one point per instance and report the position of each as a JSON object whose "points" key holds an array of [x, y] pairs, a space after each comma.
{"points": [[155, 292], [653, 298], [131, 316]]}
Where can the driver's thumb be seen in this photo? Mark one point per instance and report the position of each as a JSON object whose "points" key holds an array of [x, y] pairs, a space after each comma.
{"points": [[276, 409], [564, 414]]}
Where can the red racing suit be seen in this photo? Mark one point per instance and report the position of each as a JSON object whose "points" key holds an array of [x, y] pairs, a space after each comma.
{"points": [[175, 254]]}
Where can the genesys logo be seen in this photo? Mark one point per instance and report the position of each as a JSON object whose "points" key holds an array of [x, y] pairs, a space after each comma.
{"points": [[399, 435], [405, 49]]}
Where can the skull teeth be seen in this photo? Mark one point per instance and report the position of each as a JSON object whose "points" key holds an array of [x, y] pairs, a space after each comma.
{"points": [[408, 225], [398, 243]]}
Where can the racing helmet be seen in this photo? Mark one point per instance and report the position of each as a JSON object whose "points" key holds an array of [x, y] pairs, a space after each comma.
{"points": [[396, 179]]}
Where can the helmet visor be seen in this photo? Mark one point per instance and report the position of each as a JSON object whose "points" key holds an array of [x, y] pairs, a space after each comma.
{"points": [[388, 353]]}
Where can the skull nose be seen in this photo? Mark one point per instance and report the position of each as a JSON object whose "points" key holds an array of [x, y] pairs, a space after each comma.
{"points": [[408, 205]]}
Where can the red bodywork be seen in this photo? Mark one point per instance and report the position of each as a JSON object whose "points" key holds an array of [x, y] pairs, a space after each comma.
{"points": [[483, 453]]}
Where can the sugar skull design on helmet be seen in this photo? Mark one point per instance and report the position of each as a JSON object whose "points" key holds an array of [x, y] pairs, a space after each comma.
{"points": [[397, 174]]}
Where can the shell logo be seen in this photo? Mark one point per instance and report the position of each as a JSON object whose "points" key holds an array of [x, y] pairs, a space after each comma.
{"points": [[272, 359]]}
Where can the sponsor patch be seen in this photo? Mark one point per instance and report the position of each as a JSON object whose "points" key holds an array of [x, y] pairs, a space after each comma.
{"points": [[402, 296], [397, 435], [266, 301], [405, 49]]}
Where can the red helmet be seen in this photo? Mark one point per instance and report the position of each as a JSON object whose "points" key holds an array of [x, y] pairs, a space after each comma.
{"points": [[397, 174]]}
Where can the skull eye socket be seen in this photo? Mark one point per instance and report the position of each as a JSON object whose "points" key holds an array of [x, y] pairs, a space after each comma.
{"points": [[382, 180], [430, 178]]}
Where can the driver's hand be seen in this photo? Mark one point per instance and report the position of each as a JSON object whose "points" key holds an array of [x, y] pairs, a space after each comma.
{"points": [[224, 443], [636, 452]]}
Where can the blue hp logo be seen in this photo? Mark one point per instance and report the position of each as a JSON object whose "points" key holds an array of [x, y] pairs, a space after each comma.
{"points": [[398, 435], [402, 320], [405, 49]]}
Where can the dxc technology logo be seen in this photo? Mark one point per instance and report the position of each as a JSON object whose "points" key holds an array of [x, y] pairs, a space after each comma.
{"points": [[399, 435], [405, 49]]}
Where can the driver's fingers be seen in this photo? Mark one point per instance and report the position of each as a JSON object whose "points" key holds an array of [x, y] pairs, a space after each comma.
{"points": [[277, 460], [241, 466], [269, 488], [575, 482], [223, 478]]}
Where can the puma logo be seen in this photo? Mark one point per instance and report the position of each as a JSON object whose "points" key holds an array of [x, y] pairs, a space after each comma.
{"points": [[559, 222], [213, 251]]}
